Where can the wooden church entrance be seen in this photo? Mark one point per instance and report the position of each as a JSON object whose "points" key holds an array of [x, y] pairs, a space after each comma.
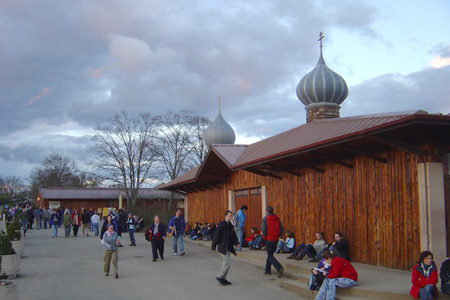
{"points": [[251, 198], [447, 210]]}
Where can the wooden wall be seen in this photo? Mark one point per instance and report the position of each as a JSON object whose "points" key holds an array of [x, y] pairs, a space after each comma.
{"points": [[375, 206]]}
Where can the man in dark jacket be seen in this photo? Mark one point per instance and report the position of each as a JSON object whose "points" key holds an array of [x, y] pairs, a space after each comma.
{"points": [[272, 230], [445, 276], [225, 237]]}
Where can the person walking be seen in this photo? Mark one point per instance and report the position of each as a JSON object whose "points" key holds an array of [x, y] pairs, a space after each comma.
{"points": [[241, 214], [272, 230], [55, 222], [24, 219], [225, 238], [45, 216], [67, 222], [95, 222], [110, 242], [131, 224], [158, 231], [85, 221], [37, 213], [76, 221], [177, 226]]}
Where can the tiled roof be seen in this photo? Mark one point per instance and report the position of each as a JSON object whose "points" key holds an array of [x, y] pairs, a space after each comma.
{"points": [[101, 193]]}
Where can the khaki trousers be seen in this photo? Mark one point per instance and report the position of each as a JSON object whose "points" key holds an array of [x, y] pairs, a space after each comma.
{"points": [[108, 256]]}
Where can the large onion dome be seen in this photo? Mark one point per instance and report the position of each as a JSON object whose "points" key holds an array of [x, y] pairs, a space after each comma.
{"points": [[322, 85], [219, 132]]}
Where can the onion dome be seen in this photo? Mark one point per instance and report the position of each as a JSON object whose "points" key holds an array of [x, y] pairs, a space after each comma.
{"points": [[322, 85], [219, 131]]}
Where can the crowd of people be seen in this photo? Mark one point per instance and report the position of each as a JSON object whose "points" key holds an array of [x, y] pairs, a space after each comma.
{"points": [[333, 270]]}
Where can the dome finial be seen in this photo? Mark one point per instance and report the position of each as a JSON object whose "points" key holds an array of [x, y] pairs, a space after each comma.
{"points": [[321, 36], [219, 102]]}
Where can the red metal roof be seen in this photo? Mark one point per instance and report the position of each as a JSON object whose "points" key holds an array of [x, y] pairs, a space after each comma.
{"points": [[229, 153], [186, 177], [315, 133]]}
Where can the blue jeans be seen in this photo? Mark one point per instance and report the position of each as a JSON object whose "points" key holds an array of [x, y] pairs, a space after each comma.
{"points": [[271, 260], [95, 226], [45, 220], [305, 250], [67, 230], [24, 227], [426, 293], [240, 236], [131, 233], [283, 247], [54, 230], [178, 240], [328, 288]]}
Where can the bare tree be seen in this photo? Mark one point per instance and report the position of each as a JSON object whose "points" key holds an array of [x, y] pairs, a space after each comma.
{"points": [[57, 170], [12, 185], [123, 152], [180, 143]]}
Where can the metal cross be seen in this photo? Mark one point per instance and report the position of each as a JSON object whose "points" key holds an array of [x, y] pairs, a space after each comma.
{"points": [[321, 36]]}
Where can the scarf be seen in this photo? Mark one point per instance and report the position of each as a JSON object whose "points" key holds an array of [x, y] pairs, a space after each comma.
{"points": [[109, 233], [426, 270]]}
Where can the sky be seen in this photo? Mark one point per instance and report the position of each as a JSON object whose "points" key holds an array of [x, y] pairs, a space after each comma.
{"points": [[66, 66]]}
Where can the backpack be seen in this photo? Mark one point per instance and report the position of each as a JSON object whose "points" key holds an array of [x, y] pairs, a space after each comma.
{"points": [[234, 220], [148, 235], [315, 281]]}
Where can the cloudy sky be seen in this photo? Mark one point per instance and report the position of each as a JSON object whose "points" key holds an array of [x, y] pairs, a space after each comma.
{"points": [[66, 66]]}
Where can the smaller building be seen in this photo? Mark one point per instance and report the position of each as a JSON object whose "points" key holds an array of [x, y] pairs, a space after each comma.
{"points": [[99, 198]]}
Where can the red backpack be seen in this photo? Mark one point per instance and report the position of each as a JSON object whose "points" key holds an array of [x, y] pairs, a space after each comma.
{"points": [[148, 235]]}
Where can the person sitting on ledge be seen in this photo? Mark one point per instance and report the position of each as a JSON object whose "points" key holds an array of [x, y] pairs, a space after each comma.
{"points": [[340, 246], [445, 276], [288, 245], [341, 274], [311, 249], [424, 277]]}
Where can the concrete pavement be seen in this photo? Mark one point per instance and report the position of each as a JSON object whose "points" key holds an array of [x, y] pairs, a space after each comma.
{"points": [[72, 268]]}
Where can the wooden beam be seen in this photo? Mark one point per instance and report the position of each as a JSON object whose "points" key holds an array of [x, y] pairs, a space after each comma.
{"points": [[331, 159], [262, 173], [363, 153], [284, 170], [304, 165], [399, 145]]}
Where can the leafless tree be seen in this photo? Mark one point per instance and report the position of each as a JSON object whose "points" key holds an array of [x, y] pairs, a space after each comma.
{"points": [[57, 170], [180, 144], [12, 185], [123, 152]]}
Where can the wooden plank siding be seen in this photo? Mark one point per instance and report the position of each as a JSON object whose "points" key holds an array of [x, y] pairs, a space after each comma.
{"points": [[372, 204]]}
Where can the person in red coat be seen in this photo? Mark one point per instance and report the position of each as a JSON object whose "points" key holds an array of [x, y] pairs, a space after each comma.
{"points": [[424, 277], [340, 274]]}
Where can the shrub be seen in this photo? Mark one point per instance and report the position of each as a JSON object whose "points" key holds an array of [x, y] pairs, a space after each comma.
{"points": [[13, 231], [6, 247]]}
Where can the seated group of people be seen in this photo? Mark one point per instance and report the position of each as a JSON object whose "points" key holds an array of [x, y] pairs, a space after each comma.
{"points": [[200, 231]]}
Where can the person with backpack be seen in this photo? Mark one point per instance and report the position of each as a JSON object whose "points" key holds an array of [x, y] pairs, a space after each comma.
{"points": [[225, 239], [272, 230], [240, 221], [341, 274], [177, 227], [318, 275]]}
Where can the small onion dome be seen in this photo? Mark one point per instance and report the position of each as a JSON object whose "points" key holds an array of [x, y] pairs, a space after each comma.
{"points": [[322, 85], [219, 132]]}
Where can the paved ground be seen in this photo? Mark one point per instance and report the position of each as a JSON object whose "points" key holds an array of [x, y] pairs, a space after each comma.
{"points": [[72, 268]]}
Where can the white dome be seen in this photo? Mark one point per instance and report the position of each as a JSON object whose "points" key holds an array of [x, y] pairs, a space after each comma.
{"points": [[219, 132]]}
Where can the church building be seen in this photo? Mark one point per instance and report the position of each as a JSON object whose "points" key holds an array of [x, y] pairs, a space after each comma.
{"points": [[382, 180]]}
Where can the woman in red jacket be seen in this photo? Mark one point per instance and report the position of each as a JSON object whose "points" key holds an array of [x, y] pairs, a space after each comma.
{"points": [[424, 277], [341, 274]]}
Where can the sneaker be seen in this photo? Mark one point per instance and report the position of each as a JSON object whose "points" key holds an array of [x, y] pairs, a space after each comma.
{"points": [[298, 257], [291, 257], [175, 254], [267, 273], [221, 280], [280, 272], [117, 276], [182, 253], [313, 260], [226, 282]]}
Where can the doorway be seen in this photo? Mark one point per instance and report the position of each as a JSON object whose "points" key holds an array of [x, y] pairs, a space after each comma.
{"points": [[251, 198]]}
